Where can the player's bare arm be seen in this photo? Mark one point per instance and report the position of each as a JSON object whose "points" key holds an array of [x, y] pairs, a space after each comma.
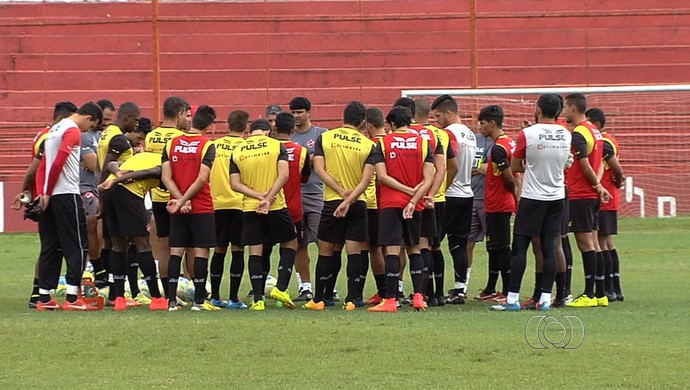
{"points": [[27, 184], [90, 162], [439, 177], [110, 157], [130, 176], [367, 174], [204, 172], [326, 178], [389, 181], [237, 186], [587, 170], [516, 165], [451, 171], [421, 189], [618, 177], [166, 178], [283, 174]]}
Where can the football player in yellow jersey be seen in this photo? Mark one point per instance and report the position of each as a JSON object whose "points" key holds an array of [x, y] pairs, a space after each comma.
{"points": [[437, 199], [374, 130], [177, 118], [116, 144], [118, 139], [342, 159], [259, 169], [228, 214], [127, 219]]}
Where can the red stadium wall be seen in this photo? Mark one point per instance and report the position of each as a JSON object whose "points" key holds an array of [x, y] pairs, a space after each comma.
{"points": [[251, 53]]}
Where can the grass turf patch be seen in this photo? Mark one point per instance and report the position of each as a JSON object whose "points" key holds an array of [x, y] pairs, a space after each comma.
{"points": [[640, 343]]}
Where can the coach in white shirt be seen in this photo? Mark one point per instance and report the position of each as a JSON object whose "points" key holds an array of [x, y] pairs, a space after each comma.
{"points": [[62, 224]]}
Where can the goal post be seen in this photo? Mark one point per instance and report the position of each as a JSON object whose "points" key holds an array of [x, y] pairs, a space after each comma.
{"points": [[650, 122]]}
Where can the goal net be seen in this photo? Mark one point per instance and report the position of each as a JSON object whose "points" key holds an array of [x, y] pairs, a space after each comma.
{"points": [[651, 124]]}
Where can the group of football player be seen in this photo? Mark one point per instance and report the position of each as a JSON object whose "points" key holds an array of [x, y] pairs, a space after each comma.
{"points": [[387, 188]]}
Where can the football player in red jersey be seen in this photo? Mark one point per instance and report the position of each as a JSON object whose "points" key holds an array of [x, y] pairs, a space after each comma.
{"points": [[300, 171], [430, 230], [187, 161], [405, 168], [436, 198], [612, 179], [584, 194], [501, 196]]}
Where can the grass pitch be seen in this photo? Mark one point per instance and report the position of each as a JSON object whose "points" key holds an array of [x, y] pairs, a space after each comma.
{"points": [[643, 342]]}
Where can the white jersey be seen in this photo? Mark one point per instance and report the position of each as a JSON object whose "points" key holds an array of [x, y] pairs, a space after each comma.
{"points": [[65, 135], [461, 187], [545, 149]]}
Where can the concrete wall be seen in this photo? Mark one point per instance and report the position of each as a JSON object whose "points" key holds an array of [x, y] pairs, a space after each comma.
{"points": [[248, 54]]}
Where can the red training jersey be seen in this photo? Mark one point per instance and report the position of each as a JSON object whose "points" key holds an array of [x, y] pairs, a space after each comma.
{"points": [[498, 198], [186, 153], [298, 163], [610, 150], [587, 142], [425, 133], [404, 154]]}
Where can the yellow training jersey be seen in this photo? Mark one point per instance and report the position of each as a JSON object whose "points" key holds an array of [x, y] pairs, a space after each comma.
{"points": [[140, 162], [109, 143], [370, 192], [155, 143], [256, 160], [345, 151], [224, 197], [444, 139]]}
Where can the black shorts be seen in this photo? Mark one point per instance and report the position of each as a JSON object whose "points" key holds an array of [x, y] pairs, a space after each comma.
{"points": [[353, 227], [395, 230], [608, 222], [373, 221], [565, 215], [160, 213], [497, 230], [458, 217], [537, 217], [583, 215], [228, 227], [272, 228], [62, 232], [429, 227], [104, 226], [299, 231], [440, 210], [125, 213], [192, 231]]}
